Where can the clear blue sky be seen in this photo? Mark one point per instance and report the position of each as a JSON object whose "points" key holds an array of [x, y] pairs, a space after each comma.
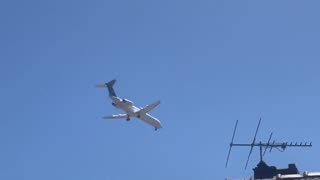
{"points": [[210, 62]]}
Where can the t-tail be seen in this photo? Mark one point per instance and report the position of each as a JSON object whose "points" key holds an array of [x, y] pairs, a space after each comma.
{"points": [[109, 85]]}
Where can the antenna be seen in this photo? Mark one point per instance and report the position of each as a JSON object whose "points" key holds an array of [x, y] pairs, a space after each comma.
{"points": [[279, 146], [265, 150], [253, 143], [231, 144]]}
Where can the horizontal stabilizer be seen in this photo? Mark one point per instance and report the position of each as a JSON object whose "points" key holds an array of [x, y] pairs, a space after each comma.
{"points": [[101, 85]]}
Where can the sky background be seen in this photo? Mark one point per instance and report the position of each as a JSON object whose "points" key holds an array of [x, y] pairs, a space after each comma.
{"points": [[210, 62]]}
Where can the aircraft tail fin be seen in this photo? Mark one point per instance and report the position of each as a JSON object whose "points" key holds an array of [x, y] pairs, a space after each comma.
{"points": [[109, 85]]}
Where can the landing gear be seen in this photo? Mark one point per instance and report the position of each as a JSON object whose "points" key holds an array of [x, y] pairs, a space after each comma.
{"points": [[155, 129], [128, 118], [138, 116]]}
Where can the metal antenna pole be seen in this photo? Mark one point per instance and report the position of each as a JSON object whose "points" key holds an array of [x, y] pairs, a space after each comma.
{"points": [[260, 152]]}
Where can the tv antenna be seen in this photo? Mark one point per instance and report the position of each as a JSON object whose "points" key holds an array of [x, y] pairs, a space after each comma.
{"points": [[263, 146]]}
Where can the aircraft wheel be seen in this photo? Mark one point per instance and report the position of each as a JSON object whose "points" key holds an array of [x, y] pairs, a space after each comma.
{"points": [[128, 119], [155, 129], [138, 116]]}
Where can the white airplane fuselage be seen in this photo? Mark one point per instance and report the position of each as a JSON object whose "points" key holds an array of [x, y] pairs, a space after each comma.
{"points": [[125, 105]]}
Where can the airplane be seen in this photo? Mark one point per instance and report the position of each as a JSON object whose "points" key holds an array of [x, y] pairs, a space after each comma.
{"points": [[128, 107]]}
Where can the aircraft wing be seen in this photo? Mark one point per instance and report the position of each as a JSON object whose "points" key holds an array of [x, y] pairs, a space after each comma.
{"points": [[116, 116], [151, 120], [148, 108]]}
